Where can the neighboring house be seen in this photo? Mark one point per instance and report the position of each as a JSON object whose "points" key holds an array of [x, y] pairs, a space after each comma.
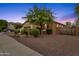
{"points": [[11, 26], [75, 30]]}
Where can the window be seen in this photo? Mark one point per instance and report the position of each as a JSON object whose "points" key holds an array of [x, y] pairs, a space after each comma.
{"points": [[57, 25]]}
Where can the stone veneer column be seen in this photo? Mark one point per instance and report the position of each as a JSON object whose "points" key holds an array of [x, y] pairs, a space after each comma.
{"points": [[54, 28]]}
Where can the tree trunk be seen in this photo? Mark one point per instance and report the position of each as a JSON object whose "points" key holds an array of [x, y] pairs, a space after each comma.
{"points": [[40, 28]]}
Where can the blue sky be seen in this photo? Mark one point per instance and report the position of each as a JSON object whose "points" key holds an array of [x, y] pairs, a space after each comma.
{"points": [[13, 12]]}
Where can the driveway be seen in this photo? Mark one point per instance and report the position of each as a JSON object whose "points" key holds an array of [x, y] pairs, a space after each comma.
{"points": [[10, 47]]}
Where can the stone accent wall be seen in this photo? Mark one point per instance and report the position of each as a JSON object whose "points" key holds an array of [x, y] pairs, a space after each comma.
{"points": [[77, 30]]}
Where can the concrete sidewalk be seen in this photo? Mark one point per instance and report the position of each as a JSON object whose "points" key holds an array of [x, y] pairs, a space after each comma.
{"points": [[10, 47]]}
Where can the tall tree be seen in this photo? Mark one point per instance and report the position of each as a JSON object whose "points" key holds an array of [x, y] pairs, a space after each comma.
{"points": [[77, 14], [3, 24], [40, 16], [77, 20]]}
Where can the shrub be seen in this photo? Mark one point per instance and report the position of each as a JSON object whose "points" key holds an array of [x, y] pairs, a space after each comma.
{"points": [[69, 32], [49, 31], [0, 30], [35, 32], [17, 31], [24, 31]]}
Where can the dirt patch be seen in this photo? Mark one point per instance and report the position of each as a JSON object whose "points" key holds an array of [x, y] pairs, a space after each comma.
{"points": [[53, 45]]}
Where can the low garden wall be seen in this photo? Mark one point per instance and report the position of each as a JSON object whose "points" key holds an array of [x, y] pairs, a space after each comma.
{"points": [[68, 31]]}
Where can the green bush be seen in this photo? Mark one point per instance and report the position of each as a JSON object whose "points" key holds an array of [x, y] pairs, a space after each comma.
{"points": [[35, 32], [17, 31], [49, 31], [1, 30], [24, 31], [69, 32]]}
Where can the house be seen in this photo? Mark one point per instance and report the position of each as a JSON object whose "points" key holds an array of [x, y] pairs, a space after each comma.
{"points": [[55, 26], [11, 26]]}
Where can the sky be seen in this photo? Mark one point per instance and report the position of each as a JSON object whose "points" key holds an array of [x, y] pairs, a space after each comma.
{"points": [[13, 12]]}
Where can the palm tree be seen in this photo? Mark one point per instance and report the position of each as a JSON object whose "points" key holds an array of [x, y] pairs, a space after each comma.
{"points": [[77, 14], [77, 21], [40, 16]]}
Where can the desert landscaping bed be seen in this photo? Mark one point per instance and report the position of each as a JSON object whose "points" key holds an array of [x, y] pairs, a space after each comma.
{"points": [[52, 45]]}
